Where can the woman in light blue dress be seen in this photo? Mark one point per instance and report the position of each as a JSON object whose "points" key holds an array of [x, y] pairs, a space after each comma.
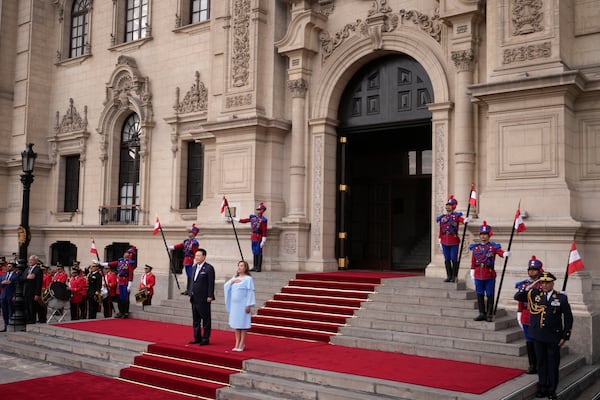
{"points": [[239, 300]]}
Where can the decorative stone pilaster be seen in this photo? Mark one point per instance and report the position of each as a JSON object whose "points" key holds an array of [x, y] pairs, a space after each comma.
{"points": [[297, 207]]}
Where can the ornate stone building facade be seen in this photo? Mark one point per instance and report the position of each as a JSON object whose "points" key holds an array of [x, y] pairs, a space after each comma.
{"points": [[351, 120]]}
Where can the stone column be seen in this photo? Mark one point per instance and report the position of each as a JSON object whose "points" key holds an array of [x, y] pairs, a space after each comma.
{"points": [[297, 206], [464, 137]]}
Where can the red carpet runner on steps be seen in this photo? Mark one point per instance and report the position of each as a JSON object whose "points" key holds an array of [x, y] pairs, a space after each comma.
{"points": [[171, 354]]}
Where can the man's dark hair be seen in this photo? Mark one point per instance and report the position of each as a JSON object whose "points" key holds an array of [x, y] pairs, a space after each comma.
{"points": [[202, 251]]}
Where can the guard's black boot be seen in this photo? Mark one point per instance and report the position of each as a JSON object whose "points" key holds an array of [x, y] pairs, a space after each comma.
{"points": [[481, 306], [259, 263], [490, 308], [254, 262], [448, 271], [454, 271], [532, 358]]}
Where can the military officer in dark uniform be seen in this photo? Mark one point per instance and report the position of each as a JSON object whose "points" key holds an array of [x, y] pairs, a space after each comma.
{"points": [[550, 327]]}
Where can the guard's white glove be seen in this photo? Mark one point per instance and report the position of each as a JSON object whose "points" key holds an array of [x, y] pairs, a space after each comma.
{"points": [[440, 243], [519, 319], [171, 247], [473, 274], [103, 263], [229, 219], [467, 220], [262, 242], [129, 287], [507, 254]]}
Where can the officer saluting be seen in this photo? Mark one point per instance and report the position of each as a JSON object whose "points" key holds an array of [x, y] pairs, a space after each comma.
{"points": [[550, 326]]}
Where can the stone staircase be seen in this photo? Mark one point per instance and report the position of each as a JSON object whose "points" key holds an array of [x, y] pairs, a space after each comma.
{"points": [[420, 316]]}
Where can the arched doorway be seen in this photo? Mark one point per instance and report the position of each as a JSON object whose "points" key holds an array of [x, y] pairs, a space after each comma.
{"points": [[385, 166]]}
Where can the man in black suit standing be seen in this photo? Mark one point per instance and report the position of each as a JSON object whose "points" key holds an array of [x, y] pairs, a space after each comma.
{"points": [[32, 289], [201, 295], [550, 324]]}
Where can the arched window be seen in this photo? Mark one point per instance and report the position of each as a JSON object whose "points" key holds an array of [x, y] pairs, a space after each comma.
{"points": [[129, 170], [79, 28]]}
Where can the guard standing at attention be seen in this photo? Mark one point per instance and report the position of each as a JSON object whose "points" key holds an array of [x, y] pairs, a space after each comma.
{"points": [[448, 236]]}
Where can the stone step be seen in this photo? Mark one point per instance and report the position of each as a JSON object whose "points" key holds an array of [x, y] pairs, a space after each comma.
{"points": [[455, 350], [411, 294], [397, 286], [429, 315], [291, 382], [101, 354], [507, 335]]}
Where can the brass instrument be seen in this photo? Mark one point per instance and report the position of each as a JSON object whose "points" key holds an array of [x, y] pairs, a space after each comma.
{"points": [[141, 296], [97, 297], [46, 295]]}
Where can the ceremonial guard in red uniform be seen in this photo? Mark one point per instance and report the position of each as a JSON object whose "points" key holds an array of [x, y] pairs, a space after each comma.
{"points": [[124, 266], [258, 237], [190, 247], [448, 237], [109, 280], [77, 285], [534, 269], [483, 272], [550, 324], [147, 283]]}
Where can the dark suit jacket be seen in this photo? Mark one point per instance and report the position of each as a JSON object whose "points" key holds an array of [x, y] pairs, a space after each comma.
{"points": [[551, 320], [32, 287], [8, 290], [203, 287]]}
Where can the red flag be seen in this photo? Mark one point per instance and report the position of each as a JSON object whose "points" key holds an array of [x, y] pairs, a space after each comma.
{"points": [[224, 204], [575, 263], [156, 227], [519, 224], [473, 198], [94, 250]]}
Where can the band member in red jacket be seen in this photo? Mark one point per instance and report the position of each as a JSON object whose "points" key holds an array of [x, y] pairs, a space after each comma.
{"points": [[109, 280], [124, 266], [60, 275], [189, 246], [78, 287], [147, 283], [483, 272]]}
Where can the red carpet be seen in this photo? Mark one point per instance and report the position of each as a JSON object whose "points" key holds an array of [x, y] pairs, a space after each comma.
{"points": [[80, 385], [444, 374]]}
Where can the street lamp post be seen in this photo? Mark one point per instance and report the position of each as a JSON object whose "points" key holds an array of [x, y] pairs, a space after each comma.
{"points": [[28, 157]]}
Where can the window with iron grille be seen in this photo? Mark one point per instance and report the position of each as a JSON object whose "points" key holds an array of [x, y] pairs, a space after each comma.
{"points": [[129, 170], [199, 10], [195, 170], [136, 20], [79, 28]]}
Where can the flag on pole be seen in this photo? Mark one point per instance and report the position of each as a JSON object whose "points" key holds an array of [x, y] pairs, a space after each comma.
{"points": [[519, 224], [473, 198], [94, 250], [224, 204], [575, 263], [156, 227]]}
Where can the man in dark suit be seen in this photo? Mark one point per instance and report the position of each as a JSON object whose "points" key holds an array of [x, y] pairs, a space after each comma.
{"points": [[8, 281], [32, 289], [202, 293], [550, 324]]}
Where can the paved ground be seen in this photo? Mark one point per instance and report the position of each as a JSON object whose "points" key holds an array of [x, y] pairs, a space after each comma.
{"points": [[15, 368]]}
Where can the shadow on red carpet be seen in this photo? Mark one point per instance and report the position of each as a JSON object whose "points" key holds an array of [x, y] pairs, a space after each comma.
{"points": [[431, 372]]}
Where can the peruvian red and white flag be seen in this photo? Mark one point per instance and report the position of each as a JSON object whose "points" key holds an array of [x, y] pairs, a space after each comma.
{"points": [[473, 198], [224, 204], [156, 227], [519, 224], [575, 263], [94, 250]]}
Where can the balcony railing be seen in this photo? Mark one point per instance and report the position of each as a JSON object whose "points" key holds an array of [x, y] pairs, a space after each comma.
{"points": [[125, 214]]}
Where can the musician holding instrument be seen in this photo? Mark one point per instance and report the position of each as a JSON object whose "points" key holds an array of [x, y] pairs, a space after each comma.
{"points": [[77, 285], [125, 266], [147, 282], [8, 281], [94, 285], [109, 281]]}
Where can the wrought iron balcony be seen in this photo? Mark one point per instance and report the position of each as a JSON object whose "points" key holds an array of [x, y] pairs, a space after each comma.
{"points": [[123, 214]]}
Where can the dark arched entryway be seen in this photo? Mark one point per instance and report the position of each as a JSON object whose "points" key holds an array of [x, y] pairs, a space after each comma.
{"points": [[384, 167]]}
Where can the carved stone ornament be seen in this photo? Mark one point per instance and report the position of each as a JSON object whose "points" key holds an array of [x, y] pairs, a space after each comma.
{"points": [[527, 16], [241, 43], [463, 59], [380, 19], [71, 121], [196, 99], [525, 53], [326, 7], [298, 87], [238, 101]]}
